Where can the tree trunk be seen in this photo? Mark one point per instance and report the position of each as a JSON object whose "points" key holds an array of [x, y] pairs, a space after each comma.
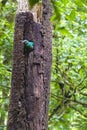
{"points": [[28, 109]]}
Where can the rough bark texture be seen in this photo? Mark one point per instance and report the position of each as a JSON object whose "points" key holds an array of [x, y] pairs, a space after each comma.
{"points": [[28, 109], [22, 6]]}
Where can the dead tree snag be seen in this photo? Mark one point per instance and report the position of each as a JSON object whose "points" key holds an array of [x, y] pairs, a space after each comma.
{"points": [[28, 109]]}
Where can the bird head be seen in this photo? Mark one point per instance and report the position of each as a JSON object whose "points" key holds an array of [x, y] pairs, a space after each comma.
{"points": [[28, 44], [25, 41]]}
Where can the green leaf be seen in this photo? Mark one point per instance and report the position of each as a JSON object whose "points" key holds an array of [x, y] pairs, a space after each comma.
{"points": [[64, 2], [65, 32], [72, 15]]}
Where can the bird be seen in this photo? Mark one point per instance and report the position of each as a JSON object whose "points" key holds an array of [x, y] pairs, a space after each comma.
{"points": [[28, 45]]}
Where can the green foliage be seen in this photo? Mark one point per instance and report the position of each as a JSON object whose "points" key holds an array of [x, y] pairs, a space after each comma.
{"points": [[68, 107], [33, 2], [7, 10]]}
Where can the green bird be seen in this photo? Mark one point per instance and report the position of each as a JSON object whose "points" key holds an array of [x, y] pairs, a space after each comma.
{"points": [[29, 45]]}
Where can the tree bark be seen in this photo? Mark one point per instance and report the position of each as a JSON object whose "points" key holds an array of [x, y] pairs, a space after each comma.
{"points": [[28, 109]]}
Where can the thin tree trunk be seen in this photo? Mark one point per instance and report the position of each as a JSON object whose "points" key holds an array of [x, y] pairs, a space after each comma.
{"points": [[28, 109]]}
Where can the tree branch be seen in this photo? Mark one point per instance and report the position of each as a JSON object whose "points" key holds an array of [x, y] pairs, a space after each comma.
{"points": [[78, 111], [84, 94], [75, 101]]}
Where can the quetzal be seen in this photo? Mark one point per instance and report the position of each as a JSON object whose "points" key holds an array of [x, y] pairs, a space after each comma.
{"points": [[28, 45]]}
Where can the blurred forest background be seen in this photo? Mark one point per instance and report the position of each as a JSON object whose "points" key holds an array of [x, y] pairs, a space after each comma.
{"points": [[68, 100]]}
